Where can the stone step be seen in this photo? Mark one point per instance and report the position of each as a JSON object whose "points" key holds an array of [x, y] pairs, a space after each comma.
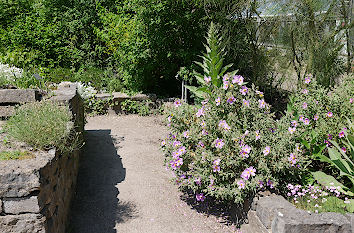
{"points": [[17, 96]]}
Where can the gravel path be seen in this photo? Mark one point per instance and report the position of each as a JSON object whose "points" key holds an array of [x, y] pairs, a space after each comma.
{"points": [[124, 187]]}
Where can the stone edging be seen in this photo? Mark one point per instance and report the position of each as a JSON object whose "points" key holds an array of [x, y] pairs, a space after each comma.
{"points": [[277, 215]]}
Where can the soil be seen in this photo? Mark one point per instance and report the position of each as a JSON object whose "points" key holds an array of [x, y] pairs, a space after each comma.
{"points": [[123, 185]]}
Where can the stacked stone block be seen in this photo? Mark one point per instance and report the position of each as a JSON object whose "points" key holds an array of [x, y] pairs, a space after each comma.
{"points": [[35, 194]]}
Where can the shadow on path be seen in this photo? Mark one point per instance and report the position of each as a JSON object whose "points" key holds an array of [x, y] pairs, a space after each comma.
{"points": [[96, 208]]}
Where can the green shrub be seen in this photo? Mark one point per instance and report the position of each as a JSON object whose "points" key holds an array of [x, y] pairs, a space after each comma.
{"points": [[227, 147], [43, 125], [136, 107]]}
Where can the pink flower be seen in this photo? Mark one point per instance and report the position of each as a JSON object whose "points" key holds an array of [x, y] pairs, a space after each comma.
{"points": [[219, 143], [216, 165], [244, 90], [252, 171], [258, 136], [200, 112], [344, 149], [341, 134], [163, 142], [218, 101], [266, 150], [292, 130], [200, 197], [177, 143], [306, 121], [202, 124], [246, 174], [207, 79], [226, 85], [329, 114], [301, 118], [305, 91], [308, 79], [178, 103], [294, 123], [204, 132], [169, 118], [292, 159], [186, 134], [246, 103], [351, 100], [237, 79], [225, 78], [259, 93], [261, 103], [224, 125], [304, 105], [231, 100], [315, 117], [246, 149], [241, 184], [201, 144]]}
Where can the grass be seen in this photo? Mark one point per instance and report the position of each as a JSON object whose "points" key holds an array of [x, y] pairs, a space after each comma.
{"points": [[42, 125], [327, 204], [14, 155]]}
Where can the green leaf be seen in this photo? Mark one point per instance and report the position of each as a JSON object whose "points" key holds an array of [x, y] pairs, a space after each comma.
{"points": [[350, 206], [224, 69], [305, 143], [199, 77], [327, 180], [195, 91]]}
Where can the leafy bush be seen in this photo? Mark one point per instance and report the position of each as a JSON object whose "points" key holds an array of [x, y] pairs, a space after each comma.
{"points": [[227, 147], [43, 125], [136, 107]]}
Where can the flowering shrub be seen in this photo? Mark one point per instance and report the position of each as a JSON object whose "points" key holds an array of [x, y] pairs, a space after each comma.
{"points": [[224, 148], [317, 115], [227, 147], [10, 72]]}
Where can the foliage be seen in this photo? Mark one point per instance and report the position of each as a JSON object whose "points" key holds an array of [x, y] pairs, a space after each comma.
{"points": [[229, 146], [212, 64], [308, 38], [149, 40], [339, 159], [95, 106], [136, 107], [10, 155], [315, 116], [43, 125]]}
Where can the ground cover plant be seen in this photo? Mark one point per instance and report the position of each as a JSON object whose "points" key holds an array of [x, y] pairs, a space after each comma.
{"points": [[43, 125], [11, 155], [230, 145]]}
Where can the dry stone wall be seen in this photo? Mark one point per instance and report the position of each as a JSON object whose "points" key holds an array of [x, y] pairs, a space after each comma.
{"points": [[35, 194]]}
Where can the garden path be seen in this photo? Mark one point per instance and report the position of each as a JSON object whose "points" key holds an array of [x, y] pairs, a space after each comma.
{"points": [[124, 187]]}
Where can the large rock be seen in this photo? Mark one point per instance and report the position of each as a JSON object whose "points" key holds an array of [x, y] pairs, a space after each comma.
{"points": [[18, 96], [290, 222], [350, 217], [24, 223], [21, 205], [268, 207]]}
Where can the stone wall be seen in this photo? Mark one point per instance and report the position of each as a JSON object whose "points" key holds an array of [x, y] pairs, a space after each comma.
{"points": [[35, 194], [275, 214]]}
